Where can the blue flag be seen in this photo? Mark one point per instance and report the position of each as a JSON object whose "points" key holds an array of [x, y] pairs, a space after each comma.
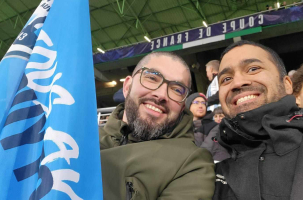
{"points": [[49, 145]]}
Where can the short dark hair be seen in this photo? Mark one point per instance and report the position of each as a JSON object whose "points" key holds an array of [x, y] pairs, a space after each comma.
{"points": [[170, 54], [297, 81], [275, 58], [218, 110]]}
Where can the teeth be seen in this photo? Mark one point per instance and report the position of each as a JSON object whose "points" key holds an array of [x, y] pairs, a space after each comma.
{"points": [[246, 98], [153, 108]]}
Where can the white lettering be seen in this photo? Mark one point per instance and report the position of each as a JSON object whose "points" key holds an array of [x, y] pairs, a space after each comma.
{"points": [[186, 36], [51, 55], [251, 21], [152, 45], [208, 31], [224, 28], [60, 139], [242, 23], [260, 19], [165, 41], [41, 75], [179, 38], [22, 36], [233, 25], [44, 52], [172, 40], [158, 43], [200, 33], [65, 175]]}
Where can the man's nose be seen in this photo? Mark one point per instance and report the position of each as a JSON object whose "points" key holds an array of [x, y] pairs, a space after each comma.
{"points": [[161, 92], [240, 80]]}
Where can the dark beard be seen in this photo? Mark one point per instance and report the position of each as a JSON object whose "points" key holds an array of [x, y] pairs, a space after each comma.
{"points": [[145, 129]]}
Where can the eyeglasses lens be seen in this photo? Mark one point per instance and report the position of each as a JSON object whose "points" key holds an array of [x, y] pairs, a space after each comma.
{"points": [[152, 79]]}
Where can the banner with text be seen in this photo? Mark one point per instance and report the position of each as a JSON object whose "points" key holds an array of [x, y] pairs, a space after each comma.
{"points": [[261, 19]]}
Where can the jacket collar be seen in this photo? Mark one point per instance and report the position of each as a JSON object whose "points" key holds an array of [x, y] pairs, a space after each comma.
{"points": [[268, 123], [118, 128]]}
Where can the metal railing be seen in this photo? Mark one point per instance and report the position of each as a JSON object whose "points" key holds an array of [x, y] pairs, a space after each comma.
{"points": [[103, 113]]}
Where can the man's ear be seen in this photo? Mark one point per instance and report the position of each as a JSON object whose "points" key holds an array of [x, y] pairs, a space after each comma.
{"points": [[288, 85], [127, 85]]}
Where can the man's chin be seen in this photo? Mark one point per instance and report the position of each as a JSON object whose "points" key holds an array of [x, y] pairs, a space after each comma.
{"points": [[151, 120], [243, 108]]}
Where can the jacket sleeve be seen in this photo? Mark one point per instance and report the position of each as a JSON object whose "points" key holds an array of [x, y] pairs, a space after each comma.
{"points": [[194, 180], [218, 152], [208, 142]]}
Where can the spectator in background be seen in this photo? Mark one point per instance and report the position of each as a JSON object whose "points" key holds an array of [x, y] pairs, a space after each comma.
{"points": [[297, 80], [212, 68], [218, 115], [205, 128], [262, 128], [291, 73], [197, 104], [147, 145], [101, 120], [284, 3]]}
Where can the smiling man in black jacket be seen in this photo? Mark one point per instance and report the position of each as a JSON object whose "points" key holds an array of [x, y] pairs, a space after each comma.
{"points": [[262, 129]]}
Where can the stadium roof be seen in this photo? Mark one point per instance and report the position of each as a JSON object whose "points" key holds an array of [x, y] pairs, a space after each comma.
{"points": [[117, 23]]}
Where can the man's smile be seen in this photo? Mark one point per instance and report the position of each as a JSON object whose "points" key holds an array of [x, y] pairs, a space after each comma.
{"points": [[149, 106], [244, 99]]}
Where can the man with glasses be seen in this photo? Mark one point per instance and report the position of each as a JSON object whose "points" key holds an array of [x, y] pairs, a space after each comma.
{"points": [[147, 145]]}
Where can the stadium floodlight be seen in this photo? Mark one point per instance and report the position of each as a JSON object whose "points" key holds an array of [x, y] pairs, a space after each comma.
{"points": [[204, 23], [99, 49], [146, 38], [122, 79]]}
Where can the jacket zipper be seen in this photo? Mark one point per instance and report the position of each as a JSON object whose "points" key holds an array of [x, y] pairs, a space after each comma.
{"points": [[129, 190]]}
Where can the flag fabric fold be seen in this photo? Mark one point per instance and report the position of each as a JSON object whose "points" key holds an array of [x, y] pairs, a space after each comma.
{"points": [[49, 145]]}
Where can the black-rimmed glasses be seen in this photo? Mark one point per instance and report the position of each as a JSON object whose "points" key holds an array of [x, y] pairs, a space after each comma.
{"points": [[152, 80]]}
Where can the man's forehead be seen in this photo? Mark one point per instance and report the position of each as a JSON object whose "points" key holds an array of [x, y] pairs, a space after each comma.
{"points": [[199, 98], [239, 55], [171, 69]]}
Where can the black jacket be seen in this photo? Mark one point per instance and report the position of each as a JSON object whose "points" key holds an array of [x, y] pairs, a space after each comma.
{"points": [[266, 154], [203, 127], [205, 131]]}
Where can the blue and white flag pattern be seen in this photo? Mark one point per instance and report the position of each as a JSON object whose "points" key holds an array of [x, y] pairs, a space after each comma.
{"points": [[49, 146]]}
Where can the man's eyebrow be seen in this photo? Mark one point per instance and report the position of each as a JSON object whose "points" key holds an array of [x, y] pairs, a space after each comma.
{"points": [[242, 63], [224, 71], [250, 60]]}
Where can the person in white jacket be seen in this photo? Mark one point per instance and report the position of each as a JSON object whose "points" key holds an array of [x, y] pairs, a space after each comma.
{"points": [[212, 68]]}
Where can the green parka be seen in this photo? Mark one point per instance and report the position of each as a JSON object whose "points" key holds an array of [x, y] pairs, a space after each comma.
{"points": [[169, 168]]}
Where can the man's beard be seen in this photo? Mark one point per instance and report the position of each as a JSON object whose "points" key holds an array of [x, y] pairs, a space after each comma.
{"points": [[251, 106], [146, 129]]}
